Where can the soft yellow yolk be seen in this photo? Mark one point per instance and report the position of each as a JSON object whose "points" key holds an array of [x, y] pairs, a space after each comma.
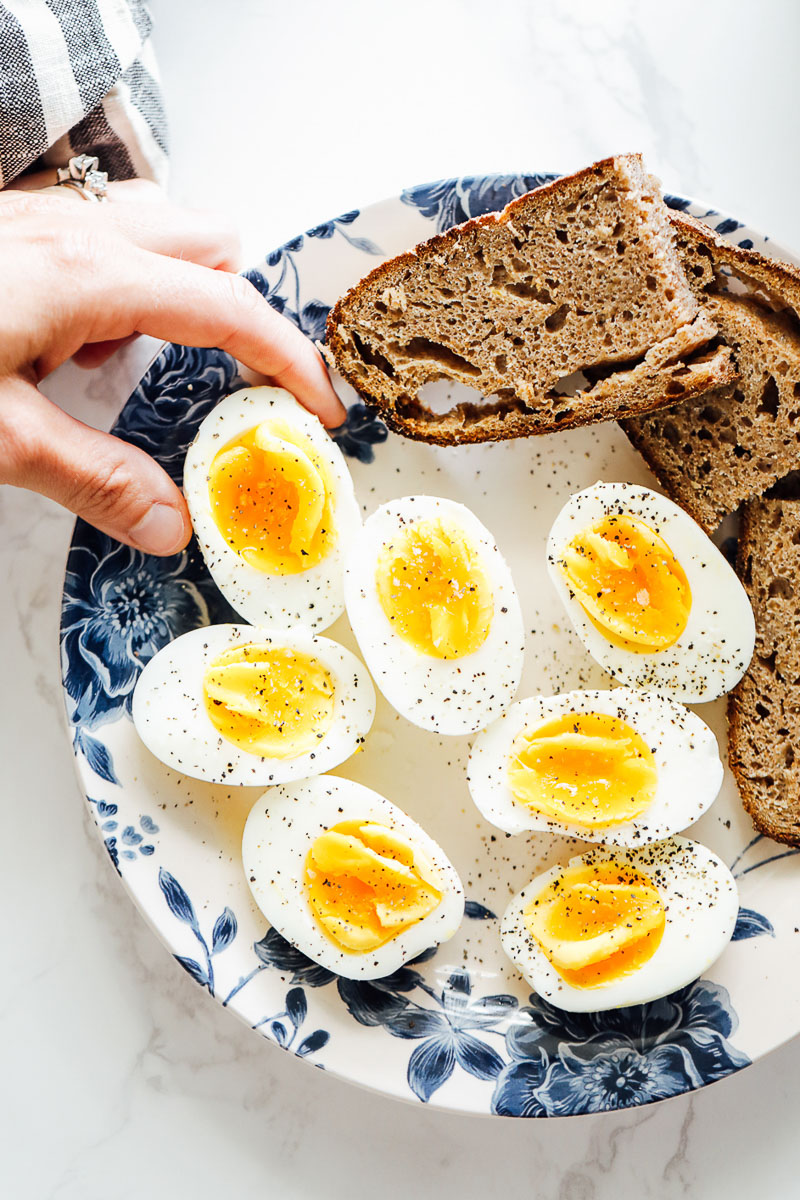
{"points": [[271, 499], [367, 883], [585, 769], [629, 583], [597, 923], [433, 588], [270, 701]]}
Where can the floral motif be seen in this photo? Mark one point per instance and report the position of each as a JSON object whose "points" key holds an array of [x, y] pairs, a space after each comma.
{"points": [[223, 933], [448, 202], [360, 431], [568, 1063], [128, 844], [283, 1027], [180, 389]]}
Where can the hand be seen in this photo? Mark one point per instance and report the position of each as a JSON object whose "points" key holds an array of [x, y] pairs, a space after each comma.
{"points": [[78, 280]]}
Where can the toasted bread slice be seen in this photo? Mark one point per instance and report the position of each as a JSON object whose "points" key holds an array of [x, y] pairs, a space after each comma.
{"points": [[713, 452], [570, 306], [764, 709]]}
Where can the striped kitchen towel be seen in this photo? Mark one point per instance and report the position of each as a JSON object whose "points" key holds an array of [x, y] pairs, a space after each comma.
{"points": [[79, 77]]}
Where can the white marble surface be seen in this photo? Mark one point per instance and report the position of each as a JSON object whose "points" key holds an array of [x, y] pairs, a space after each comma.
{"points": [[120, 1078]]}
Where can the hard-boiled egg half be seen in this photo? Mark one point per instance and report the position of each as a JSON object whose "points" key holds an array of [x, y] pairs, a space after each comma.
{"points": [[650, 596], [241, 705], [621, 927], [348, 878], [432, 603], [273, 507], [622, 767]]}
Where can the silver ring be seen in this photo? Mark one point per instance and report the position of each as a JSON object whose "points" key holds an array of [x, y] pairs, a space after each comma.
{"points": [[83, 176]]}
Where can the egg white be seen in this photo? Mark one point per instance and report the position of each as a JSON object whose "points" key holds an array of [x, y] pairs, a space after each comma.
{"points": [[684, 748], [314, 597], [701, 902], [449, 696], [171, 719], [280, 831], [715, 648]]}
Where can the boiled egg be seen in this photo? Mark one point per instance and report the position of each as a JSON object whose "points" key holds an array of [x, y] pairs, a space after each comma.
{"points": [[621, 767], [273, 508], [621, 927], [238, 704], [650, 596], [433, 606], [348, 878]]}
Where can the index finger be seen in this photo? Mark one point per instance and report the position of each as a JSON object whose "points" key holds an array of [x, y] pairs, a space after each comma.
{"points": [[186, 303]]}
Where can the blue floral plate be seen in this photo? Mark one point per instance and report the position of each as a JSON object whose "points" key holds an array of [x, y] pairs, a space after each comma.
{"points": [[457, 1028]]}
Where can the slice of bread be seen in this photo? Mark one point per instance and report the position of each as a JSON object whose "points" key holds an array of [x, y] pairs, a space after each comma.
{"points": [[712, 453], [764, 709], [570, 306]]}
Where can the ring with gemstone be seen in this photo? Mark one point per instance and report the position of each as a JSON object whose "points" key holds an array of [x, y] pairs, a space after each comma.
{"points": [[83, 175]]}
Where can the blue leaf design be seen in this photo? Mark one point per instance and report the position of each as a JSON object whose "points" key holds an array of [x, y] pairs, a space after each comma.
{"points": [[224, 931], [750, 924], [129, 855], [97, 755], [368, 1002], [195, 970], [109, 826], [728, 226], [476, 1057], [677, 203], [296, 1006], [746, 244], [365, 245], [460, 981], [416, 1023], [274, 951], [278, 1031], [348, 217], [315, 1041], [148, 824], [130, 837], [147, 850], [179, 903], [478, 912], [105, 810], [430, 1066]]}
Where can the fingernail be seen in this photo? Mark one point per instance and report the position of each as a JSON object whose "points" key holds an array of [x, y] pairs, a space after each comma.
{"points": [[160, 531]]}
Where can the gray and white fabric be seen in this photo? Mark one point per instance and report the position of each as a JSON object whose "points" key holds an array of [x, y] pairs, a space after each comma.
{"points": [[79, 77]]}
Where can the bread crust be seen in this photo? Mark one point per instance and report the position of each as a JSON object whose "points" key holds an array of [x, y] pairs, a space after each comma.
{"points": [[771, 797], [711, 456], [628, 391]]}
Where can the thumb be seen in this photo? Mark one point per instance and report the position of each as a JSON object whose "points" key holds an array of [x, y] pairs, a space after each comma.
{"points": [[114, 486]]}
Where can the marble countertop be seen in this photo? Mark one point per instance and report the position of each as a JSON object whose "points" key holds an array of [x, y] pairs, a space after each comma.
{"points": [[120, 1077]]}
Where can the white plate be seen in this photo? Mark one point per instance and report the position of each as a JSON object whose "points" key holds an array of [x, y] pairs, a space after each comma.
{"points": [[478, 1041]]}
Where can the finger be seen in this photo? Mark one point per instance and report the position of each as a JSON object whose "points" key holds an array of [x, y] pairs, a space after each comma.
{"points": [[183, 303], [94, 354], [142, 292], [114, 486]]}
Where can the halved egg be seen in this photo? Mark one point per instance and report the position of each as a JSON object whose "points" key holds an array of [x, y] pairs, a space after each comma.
{"points": [[650, 596], [273, 507], [433, 605], [348, 878], [614, 928], [241, 705], [621, 767]]}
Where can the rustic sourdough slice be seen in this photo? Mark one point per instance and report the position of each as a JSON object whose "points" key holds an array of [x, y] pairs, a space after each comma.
{"points": [[712, 453], [581, 275], [764, 709]]}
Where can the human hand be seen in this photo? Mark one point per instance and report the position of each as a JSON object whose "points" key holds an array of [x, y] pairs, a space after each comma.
{"points": [[80, 279]]}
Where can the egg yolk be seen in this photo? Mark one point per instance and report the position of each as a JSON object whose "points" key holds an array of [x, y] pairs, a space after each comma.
{"points": [[271, 499], [432, 587], [268, 700], [629, 583], [587, 769], [367, 883], [597, 922]]}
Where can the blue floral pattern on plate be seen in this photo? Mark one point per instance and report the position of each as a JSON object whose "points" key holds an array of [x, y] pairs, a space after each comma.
{"points": [[120, 607]]}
